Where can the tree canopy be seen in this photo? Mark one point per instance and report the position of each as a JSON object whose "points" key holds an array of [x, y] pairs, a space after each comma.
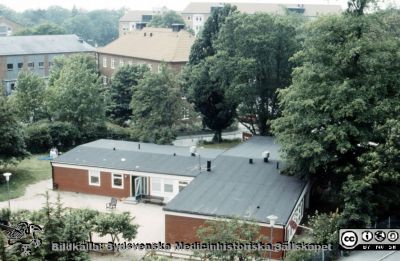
{"points": [[121, 90], [341, 113], [42, 29], [156, 107]]}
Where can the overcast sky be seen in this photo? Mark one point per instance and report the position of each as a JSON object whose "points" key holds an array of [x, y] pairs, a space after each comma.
{"points": [[178, 5]]}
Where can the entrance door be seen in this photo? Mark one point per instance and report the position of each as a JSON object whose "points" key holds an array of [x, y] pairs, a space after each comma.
{"points": [[140, 187]]}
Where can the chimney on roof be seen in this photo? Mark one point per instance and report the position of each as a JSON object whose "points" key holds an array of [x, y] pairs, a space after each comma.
{"points": [[177, 27], [138, 146], [208, 165], [250, 161], [265, 155]]}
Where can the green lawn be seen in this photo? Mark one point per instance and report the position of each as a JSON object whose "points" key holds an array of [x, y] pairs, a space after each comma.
{"points": [[225, 144], [28, 171]]}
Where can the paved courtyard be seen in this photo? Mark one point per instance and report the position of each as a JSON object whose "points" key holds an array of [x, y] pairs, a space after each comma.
{"points": [[149, 217]]}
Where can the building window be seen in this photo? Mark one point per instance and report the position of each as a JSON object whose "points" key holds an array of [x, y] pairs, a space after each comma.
{"points": [[121, 62], [168, 186], [188, 17], [94, 177], [182, 185], [20, 66], [105, 80], [117, 181], [41, 65], [156, 184], [31, 65], [50, 64], [112, 63], [104, 62], [10, 67]]}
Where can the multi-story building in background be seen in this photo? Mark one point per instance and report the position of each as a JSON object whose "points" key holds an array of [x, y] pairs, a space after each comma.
{"points": [[196, 13], [150, 46], [8, 27], [35, 53], [136, 20]]}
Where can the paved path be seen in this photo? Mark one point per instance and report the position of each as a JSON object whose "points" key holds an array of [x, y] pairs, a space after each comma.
{"points": [[149, 217]]}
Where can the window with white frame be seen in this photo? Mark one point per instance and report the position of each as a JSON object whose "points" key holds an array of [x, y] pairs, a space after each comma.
{"points": [[112, 63], [168, 186], [156, 184], [104, 80], [117, 181], [94, 178], [121, 62], [104, 62]]}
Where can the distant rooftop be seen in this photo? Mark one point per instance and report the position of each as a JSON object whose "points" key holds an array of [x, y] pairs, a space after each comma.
{"points": [[43, 44], [159, 44], [134, 156], [136, 15], [311, 10], [236, 188]]}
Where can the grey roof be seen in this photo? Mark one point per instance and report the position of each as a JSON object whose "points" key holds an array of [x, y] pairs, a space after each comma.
{"points": [[236, 188], [150, 158], [43, 44]]}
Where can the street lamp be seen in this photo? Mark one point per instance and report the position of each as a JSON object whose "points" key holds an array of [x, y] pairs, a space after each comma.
{"points": [[272, 219], [7, 176]]}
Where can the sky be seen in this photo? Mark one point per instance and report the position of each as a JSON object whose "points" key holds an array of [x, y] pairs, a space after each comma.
{"points": [[178, 5]]}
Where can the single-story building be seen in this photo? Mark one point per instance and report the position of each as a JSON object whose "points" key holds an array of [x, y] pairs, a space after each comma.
{"points": [[241, 183], [197, 184], [125, 169]]}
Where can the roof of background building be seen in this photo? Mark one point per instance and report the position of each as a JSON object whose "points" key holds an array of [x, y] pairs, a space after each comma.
{"points": [[43, 44], [159, 44], [236, 188], [150, 158], [135, 15], [6, 20], [250, 8]]}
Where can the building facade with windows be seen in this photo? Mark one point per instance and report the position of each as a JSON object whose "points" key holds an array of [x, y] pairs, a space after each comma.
{"points": [[136, 20], [150, 46], [35, 53], [196, 13]]}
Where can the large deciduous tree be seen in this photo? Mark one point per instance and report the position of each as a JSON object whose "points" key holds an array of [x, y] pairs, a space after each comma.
{"points": [[253, 53], [203, 88], [156, 107], [28, 98], [12, 144], [341, 114], [75, 95], [121, 90]]}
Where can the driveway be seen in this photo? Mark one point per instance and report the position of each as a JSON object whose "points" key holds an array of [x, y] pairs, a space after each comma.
{"points": [[150, 218]]}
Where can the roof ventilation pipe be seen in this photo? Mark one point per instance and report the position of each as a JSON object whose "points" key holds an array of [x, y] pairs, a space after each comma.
{"points": [[265, 155], [208, 165]]}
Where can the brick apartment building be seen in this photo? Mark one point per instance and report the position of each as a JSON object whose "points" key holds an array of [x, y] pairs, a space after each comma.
{"points": [[35, 53], [150, 46]]}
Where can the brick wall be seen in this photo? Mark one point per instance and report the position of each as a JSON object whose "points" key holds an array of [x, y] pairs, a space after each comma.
{"points": [[77, 180], [183, 229]]}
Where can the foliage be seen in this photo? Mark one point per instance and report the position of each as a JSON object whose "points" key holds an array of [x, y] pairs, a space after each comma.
{"points": [[75, 96], [121, 90], [156, 107], [252, 55], [12, 144], [341, 113], [117, 132], [42, 29], [209, 97], [166, 19], [203, 46], [230, 231], [28, 97], [300, 255], [116, 224], [43, 135], [325, 228]]}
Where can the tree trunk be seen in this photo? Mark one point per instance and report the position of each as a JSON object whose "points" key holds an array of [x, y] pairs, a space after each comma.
{"points": [[217, 136]]}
